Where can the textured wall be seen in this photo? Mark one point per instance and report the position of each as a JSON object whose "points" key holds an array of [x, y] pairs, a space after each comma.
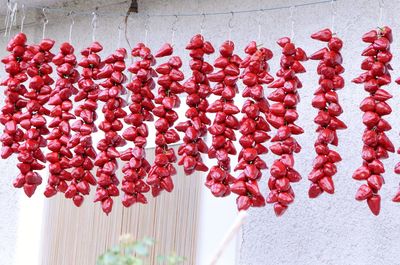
{"points": [[329, 230]]}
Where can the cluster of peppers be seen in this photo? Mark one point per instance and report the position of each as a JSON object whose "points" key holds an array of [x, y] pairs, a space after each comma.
{"points": [[225, 123], [16, 64], [61, 155], [25, 125], [253, 127], [106, 159], [326, 100], [81, 141], [376, 143], [282, 116], [197, 88], [161, 172], [33, 118], [135, 170]]}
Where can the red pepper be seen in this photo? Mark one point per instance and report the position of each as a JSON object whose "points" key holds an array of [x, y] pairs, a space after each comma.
{"points": [[376, 143], [37, 60], [161, 172], [60, 157], [137, 167], [282, 118], [326, 100], [198, 89], [165, 50], [222, 146], [113, 78], [11, 116], [81, 141], [253, 127]]}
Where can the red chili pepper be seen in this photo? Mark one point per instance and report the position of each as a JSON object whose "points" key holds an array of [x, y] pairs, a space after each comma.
{"points": [[376, 143], [326, 100], [81, 142], [161, 172], [198, 89], [141, 86], [219, 177], [16, 64], [60, 157], [33, 120], [253, 127], [165, 50], [113, 78], [282, 118]]}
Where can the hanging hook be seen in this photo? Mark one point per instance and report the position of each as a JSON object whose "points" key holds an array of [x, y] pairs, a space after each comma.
{"points": [[173, 29], [10, 17], [146, 28], [230, 21], [23, 17], [381, 6], [71, 14], [120, 28], [45, 21], [292, 8], [202, 24], [259, 26], [7, 17], [230, 26], [333, 8], [13, 17], [94, 25]]}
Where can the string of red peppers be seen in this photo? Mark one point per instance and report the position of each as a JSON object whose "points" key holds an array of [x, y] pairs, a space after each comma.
{"points": [[376, 143], [24, 110], [326, 100], [106, 159], [253, 127], [81, 141], [141, 86], [282, 116], [225, 123], [60, 155], [16, 64], [161, 172], [33, 120], [198, 89]]}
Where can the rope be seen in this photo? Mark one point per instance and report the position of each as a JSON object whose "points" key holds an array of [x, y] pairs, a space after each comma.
{"points": [[110, 14]]}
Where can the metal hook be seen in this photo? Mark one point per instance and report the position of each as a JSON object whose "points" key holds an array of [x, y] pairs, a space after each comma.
{"points": [[259, 26], [10, 17], [120, 28], [7, 17], [230, 26], [230, 21], [333, 7], [45, 21], [292, 8], [202, 24], [175, 22], [381, 6], [146, 28], [94, 25], [23, 17], [71, 14], [13, 17], [174, 28]]}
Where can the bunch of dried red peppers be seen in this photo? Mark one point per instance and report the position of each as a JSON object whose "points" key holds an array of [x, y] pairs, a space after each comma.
{"points": [[75, 164]]}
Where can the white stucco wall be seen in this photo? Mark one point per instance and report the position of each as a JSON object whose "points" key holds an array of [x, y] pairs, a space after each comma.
{"points": [[328, 230]]}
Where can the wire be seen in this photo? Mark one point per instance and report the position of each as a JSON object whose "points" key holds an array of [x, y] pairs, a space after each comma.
{"points": [[108, 14]]}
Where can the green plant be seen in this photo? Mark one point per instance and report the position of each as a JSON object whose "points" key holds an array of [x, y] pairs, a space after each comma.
{"points": [[131, 252]]}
